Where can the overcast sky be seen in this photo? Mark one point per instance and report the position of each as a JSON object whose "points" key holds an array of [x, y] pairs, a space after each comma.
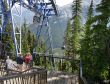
{"points": [[63, 2], [84, 2]]}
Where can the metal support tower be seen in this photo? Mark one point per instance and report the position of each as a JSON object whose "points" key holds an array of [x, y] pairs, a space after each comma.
{"points": [[45, 8]]}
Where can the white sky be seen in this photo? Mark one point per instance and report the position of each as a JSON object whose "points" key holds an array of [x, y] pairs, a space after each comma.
{"points": [[59, 2], [63, 2]]}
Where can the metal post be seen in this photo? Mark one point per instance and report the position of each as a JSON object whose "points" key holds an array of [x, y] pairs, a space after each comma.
{"points": [[80, 72], [19, 15], [1, 27], [13, 33], [80, 68], [20, 24], [50, 39]]}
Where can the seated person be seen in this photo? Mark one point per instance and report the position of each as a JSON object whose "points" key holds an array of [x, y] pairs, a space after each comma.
{"points": [[9, 63]]}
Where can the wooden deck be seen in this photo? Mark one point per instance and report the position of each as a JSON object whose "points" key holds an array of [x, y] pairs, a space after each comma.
{"points": [[57, 77], [51, 77]]}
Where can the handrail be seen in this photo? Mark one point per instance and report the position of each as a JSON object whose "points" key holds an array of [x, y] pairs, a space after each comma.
{"points": [[33, 69], [35, 76]]}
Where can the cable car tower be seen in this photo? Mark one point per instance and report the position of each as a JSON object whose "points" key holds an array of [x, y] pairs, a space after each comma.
{"points": [[43, 9]]}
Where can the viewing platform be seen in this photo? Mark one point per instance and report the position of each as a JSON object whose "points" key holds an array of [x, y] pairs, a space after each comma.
{"points": [[35, 76]]}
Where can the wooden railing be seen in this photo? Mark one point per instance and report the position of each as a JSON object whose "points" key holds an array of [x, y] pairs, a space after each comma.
{"points": [[57, 63], [2, 68], [31, 76]]}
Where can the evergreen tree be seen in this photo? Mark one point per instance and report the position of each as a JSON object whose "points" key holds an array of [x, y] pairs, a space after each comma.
{"points": [[7, 34], [76, 16], [76, 31], [86, 52], [69, 40], [94, 45], [100, 34], [33, 41], [25, 46], [29, 39]]}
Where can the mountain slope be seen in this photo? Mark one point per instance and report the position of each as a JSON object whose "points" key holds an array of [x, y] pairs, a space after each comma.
{"points": [[58, 23]]}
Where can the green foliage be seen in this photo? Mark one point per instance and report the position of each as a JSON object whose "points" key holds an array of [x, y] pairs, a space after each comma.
{"points": [[69, 40], [7, 35], [7, 39], [76, 8], [41, 47], [28, 39], [94, 44], [69, 44], [29, 42], [86, 45], [25, 46], [73, 35], [76, 25], [100, 35]]}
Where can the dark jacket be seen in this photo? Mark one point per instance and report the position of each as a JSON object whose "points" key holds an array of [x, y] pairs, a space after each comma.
{"points": [[20, 60]]}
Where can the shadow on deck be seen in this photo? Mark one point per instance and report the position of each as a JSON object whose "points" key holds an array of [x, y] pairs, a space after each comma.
{"points": [[58, 77]]}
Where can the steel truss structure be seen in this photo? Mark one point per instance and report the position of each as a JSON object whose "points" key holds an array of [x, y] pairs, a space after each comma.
{"points": [[43, 9]]}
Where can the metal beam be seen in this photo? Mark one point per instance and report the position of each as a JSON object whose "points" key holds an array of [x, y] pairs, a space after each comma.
{"points": [[54, 6]]}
